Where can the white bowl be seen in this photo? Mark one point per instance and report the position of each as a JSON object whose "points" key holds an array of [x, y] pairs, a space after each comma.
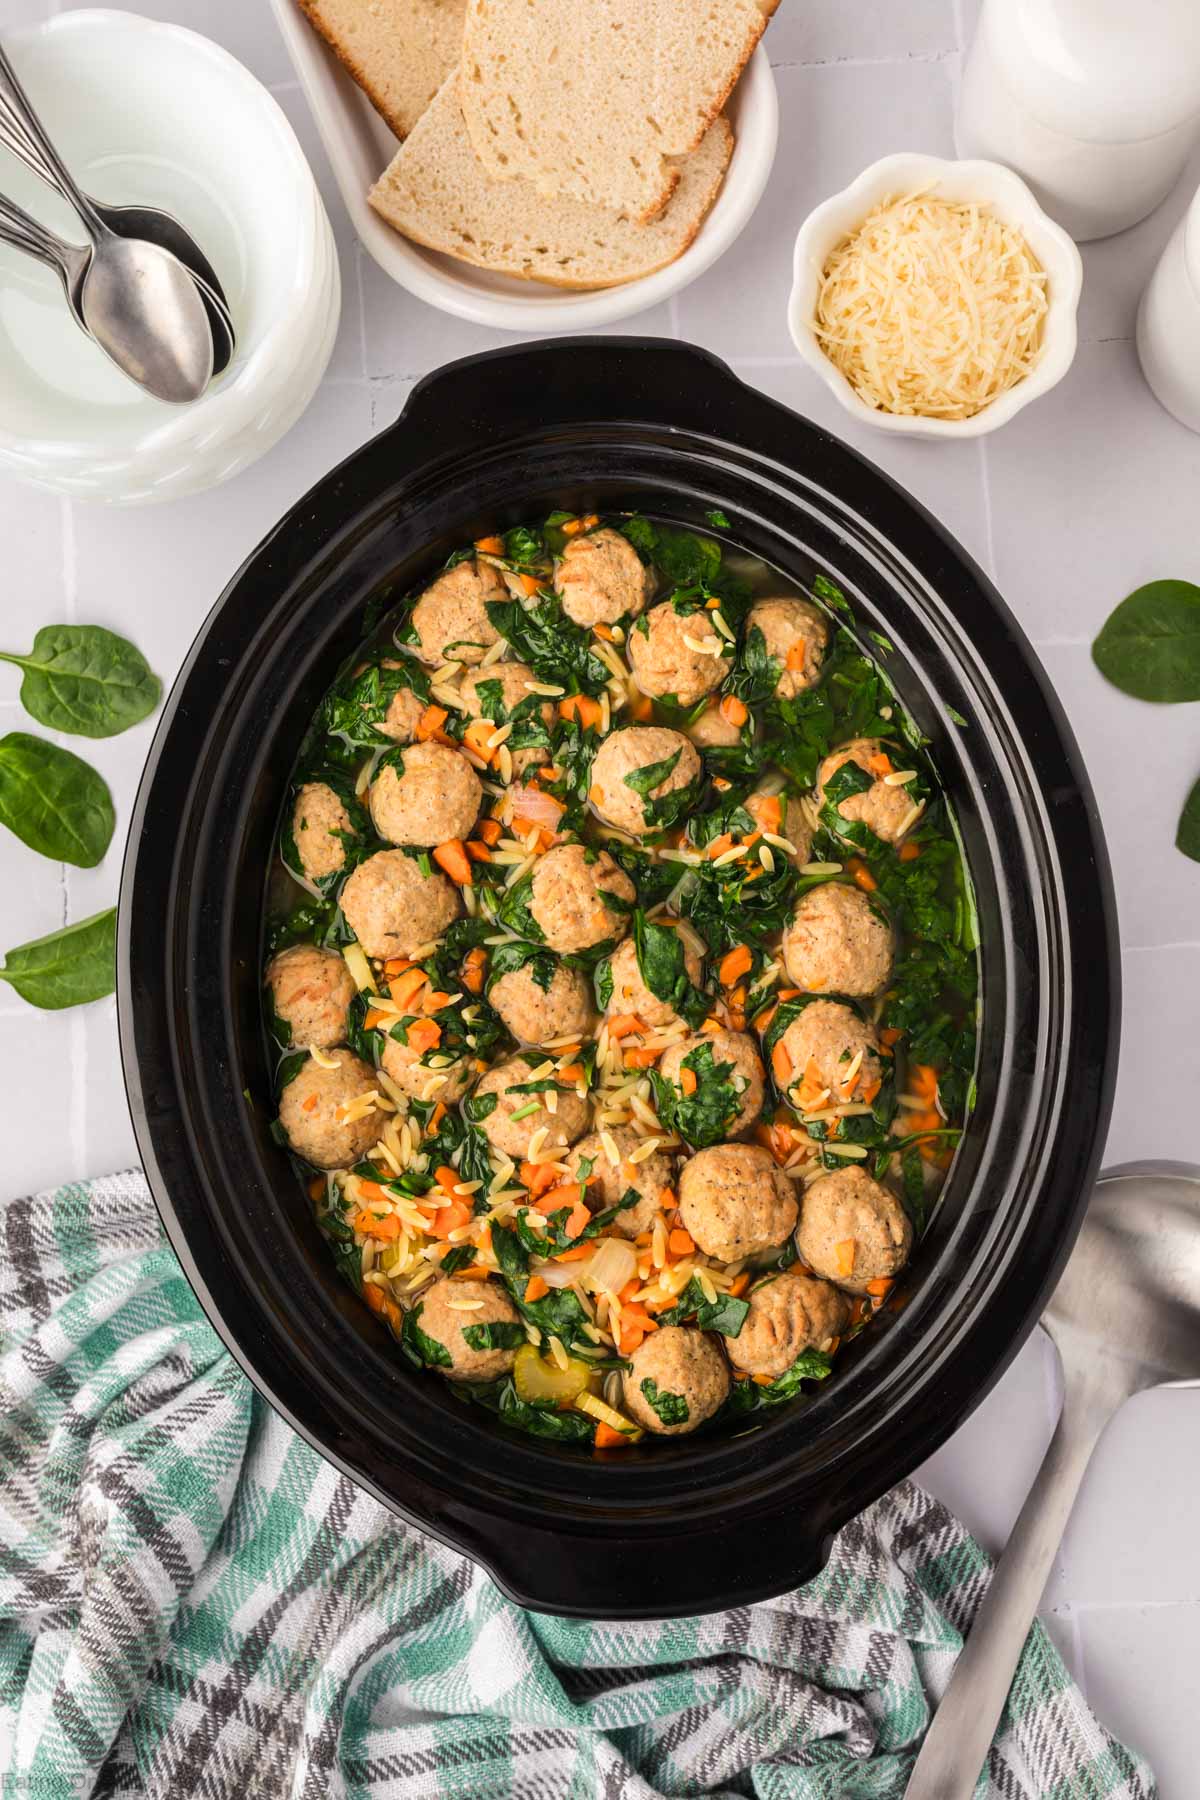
{"points": [[360, 146], [1010, 199], [151, 113]]}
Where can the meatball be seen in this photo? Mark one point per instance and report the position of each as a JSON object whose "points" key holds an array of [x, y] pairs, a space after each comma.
{"points": [[393, 909], [312, 1112], [568, 898], [535, 1014], [311, 990], [676, 1379], [318, 818], [429, 795], [516, 1117], [600, 578], [826, 1042], [837, 943], [884, 809], [712, 730], [450, 619], [795, 633], [447, 1306], [662, 650], [852, 1230], [513, 679], [788, 1313], [733, 1051], [404, 711], [613, 1181], [630, 993], [735, 1201], [628, 751], [434, 1076]]}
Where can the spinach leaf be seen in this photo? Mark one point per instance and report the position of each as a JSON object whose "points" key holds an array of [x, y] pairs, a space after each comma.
{"points": [[661, 964], [718, 520], [461, 1257], [68, 968], [1149, 646], [314, 922], [85, 680], [724, 1314], [543, 1421], [683, 558], [557, 1313], [705, 1116], [497, 1334], [672, 1409], [651, 775], [355, 709], [810, 1365], [53, 801], [555, 647], [1187, 838], [347, 1254], [420, 1346], [515, 914]]}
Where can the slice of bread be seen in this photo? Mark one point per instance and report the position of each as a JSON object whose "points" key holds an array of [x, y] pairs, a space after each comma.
{"points": [[437, 192], [398, 51], [597, 99]]}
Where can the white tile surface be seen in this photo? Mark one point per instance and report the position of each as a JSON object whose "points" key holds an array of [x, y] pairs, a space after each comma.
{"points": [[1085, 496]]}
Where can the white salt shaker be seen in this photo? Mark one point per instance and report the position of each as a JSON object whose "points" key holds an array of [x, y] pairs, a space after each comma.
{"points": [[1168, 325], [1095, 102]]}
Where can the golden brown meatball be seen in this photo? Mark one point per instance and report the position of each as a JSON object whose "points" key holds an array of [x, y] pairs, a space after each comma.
{"points": [[680, 654], [734, 1053], [853, 1230], [535, 1014], [517, 1117], [446, 1307], [628, 752], [677, 1379], [317, 819], [795, 633], [735, 1202], [630, 993], [436, 1075], [434, 796], [789, 1313], [884, 807], [836, 943], [712, 730], [393, 909], [313, 1106], [600, 578], [513, 679], [311, 991], [404, 711], [568, 898], [830, 1044], [451, 620], [613, 1181]]}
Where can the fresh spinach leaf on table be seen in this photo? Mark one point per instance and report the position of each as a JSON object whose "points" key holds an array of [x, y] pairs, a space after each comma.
{"points": [[1149, 646], [54, 801], [85, 680], [67, 968], [1187, 838]]}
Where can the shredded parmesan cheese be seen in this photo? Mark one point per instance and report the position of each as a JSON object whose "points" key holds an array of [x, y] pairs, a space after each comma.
{"points": [[932, 307]]}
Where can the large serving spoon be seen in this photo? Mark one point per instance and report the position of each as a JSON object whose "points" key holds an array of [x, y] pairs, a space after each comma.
{"points": [[1124, 1317]]}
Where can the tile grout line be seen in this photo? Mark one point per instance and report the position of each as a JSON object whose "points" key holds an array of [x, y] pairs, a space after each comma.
{"points": [[77, 1037]]}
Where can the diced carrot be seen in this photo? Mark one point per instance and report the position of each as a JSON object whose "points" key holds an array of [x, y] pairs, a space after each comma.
{"points": [[641, 708], [439, 1113], [628, 1291], [447, 1177], [571, 527], [373, 1019], [576, 1253], [642, 1059], [843, 1256], [596, 794], [445, 1219], [569, 1076], [734, 964], [733, 710], [609, 1438], [667, 1198], [870, 1094], [781, 1064], [739, 1284], [316, 1188], [493, 545], [407, 986], [720, 845], [535, 1289], [478, 852], [891, 1034], [762, 1380], [374, 1296], [687, 1080], [370, 1190], [624, 1025], [564, 1193], [377, 1225], [788, 993], [530, 584], [490, 830], [880, 1286], [861, 875], [434, 1000], [763, 1019], [309, 1104], [474, 965], [795, 657], [908, 851], [477, 736], [680, 1243], [430, 723], [543, 840], [392, 1313], [475, 1272], [423, 1035], [453, 858], [766, 810], [813, 1091], [606, 632], [396, 965], [581, 707], [577, 1221], [537, 1177], [922, 1079], [880, 763]]}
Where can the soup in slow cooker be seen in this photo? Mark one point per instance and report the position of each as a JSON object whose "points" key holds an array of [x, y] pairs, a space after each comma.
{"points": [[622, 977]]}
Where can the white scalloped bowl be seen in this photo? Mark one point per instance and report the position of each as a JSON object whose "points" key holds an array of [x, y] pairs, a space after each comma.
{"points": [[152, 113], [988, 183]]}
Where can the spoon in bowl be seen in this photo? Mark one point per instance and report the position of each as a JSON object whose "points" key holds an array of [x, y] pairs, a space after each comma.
{"points": [[1124, 1317]]}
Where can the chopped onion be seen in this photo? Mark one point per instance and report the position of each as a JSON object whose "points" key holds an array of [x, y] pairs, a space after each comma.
{"points": [[614, 1263], [561, 1275]]}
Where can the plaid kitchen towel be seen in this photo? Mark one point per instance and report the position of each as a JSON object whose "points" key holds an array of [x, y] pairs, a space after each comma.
{"points": [[195, 1606]]}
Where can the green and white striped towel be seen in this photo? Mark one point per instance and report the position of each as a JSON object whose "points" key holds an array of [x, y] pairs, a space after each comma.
{"points": [[194, 1606]]}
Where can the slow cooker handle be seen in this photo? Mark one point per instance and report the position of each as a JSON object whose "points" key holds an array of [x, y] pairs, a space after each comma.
{"points": [[500, 394]]}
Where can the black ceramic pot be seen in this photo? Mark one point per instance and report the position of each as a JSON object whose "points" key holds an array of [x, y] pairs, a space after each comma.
{"points": [[677, 1526]]}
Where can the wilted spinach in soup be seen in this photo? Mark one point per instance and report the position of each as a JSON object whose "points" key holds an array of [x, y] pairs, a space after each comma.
{"points": [[623, 979]]}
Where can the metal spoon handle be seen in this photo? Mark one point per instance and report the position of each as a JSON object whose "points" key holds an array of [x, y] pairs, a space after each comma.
{"points": [[32, 246], [958, 1741], [18, 104], [14, 138], [53, 248]]}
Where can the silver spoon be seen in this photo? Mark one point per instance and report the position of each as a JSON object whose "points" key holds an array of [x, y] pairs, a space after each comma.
{"points": [[147, 222], [1124, 1317], [138, 302]]}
